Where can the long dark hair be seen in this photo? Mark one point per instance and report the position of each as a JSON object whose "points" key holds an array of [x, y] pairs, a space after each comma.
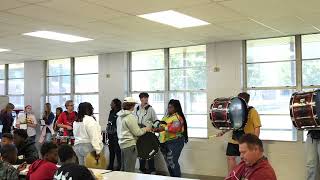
{"points": [[117, 103], [84, 108], [177, 106]]}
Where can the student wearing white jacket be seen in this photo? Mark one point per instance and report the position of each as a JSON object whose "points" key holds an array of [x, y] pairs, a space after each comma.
{"points": [[128, 131], [87, 133]]}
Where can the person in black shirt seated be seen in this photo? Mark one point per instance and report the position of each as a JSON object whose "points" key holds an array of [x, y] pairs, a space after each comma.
{"points": [[27, 151]]}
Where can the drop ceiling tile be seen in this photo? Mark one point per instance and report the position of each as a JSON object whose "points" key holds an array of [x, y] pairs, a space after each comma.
{"points": [[213, 13], [82, 9], [147, 6]]}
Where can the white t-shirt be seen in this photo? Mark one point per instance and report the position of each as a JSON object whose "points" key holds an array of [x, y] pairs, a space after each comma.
{"points": [[22, 123]]}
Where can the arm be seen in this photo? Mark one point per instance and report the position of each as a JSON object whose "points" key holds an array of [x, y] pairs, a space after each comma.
{"points": [[256, 121], [134, 127], [34, 121], [30, 155], [94, 131], [61, 120]]}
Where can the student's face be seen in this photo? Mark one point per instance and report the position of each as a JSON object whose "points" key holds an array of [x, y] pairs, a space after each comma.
{"points": [[70, 107], [171, 109], [249, 156], [58, 112], [6, 141], [28, 109], [113, 105], [17, 140], [52, 156], [144, 100]]}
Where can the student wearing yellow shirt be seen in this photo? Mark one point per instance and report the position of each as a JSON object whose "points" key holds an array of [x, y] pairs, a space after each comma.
{"points": [[173, 135], [252, 127]]}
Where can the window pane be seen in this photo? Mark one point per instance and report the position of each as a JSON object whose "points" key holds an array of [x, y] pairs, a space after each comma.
{"points": [[191, 102], [271, 101], [2, 71], [192, 56], [144, 60], [148, 80], [310, 46], [271, 74], [278, 135], [93, 99], [276, 122], [58, 101], [311, 72], [16, 70], [188, 79], [2, 87], [16, 86], [272, 49], [196, 121], [156, 100], [86, 83], [198, 132], [85, 65], [59, 84], [17, 101], [59, 67]]}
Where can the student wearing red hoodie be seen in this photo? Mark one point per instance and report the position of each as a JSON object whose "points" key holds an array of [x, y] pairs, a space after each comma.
{"points": [[44, 169], [254, 165]]}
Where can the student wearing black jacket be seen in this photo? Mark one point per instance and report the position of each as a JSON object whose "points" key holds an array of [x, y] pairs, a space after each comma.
{"points": [[114, 147], [27, 151]]}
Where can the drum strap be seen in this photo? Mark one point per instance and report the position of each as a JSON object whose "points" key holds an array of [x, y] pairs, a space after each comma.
{"points": [[146, 108]]}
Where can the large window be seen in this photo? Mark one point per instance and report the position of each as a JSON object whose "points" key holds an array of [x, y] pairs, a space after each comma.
{"points": [[178, 73], [73, 78], [310, 45], [16, 84], [271, 79], [2, 80]]}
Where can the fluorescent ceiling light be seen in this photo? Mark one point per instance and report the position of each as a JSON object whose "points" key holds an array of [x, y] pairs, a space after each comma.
{"points": [[173, 18], [57, 36], [4, 50]]}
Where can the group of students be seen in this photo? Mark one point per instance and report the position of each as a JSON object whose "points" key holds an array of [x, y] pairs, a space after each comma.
{"points": [[41, 169], [127, 121]]}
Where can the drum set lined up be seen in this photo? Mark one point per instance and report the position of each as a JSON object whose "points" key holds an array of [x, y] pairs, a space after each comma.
{"points": [[231, 113]]}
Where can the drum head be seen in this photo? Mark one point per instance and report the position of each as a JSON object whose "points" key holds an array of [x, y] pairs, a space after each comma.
{"points": [[147, 146], [238, 111]]}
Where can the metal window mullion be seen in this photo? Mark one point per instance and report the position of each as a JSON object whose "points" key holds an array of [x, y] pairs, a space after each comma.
{"points": [[244, 65], [310, 59], [46, 86], [146, 70], [72, 90], [271, 88], [129, 76], [266, 62], [6, 77], [166, 77], [298, 51], [86, 93]]}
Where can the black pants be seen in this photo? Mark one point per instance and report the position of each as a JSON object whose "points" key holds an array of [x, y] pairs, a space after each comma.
{"points": [[150, 165], [114, 150]]}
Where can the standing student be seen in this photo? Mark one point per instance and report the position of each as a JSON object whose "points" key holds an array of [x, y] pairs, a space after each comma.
{"points": [[253, 126], [128, 132], [6, 118], [114, 147], [67, 118], [312, 148], [173, 135], [59, 110], [146, 117], [47, 129], [27, 121], [87, 133]]}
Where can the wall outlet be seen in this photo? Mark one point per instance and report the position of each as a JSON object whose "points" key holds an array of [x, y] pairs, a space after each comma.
{"points": [[216, 69], [108, 75]]}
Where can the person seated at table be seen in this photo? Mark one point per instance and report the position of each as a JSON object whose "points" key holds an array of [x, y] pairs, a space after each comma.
{"points": [[7, 138], [9, 157], [27, 151], [69, 166], [254, 164], [44, 169]]}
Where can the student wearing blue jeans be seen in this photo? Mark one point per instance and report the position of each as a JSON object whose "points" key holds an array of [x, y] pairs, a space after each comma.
{"points": [[313, 154]]}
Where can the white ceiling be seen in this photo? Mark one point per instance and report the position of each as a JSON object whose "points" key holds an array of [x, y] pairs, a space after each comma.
{"points": [[115, 28]]}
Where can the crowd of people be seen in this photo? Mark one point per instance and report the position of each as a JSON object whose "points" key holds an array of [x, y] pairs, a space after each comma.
{"points": [[127, 121]]}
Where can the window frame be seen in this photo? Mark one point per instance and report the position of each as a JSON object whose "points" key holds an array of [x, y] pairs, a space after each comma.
{"points": [[167, 90]]}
